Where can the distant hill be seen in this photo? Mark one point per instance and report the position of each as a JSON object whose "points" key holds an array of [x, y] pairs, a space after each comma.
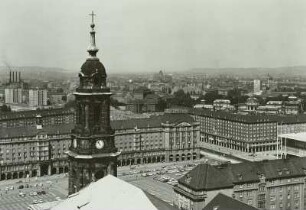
{"points": [[53, 73], [36, 72], [288, 70]]}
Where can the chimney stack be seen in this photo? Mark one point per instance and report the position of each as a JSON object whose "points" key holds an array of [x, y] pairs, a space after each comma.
{"points": [[16, 79], [19, 76], [10, 76]]}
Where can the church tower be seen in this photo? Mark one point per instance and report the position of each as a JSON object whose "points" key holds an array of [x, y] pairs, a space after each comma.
{"points": [[92, 153]]}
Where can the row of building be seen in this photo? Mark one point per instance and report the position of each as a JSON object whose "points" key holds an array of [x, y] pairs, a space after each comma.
{"points": [[38, 146], [18, 93], [292, 106], [43, 136], [274, 184]]}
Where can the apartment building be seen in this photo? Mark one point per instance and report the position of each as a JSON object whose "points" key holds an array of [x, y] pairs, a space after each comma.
{"points": [[169, 137], [38, 97], [34, 150], [29, 118], [244, 133], [34, 143], [274, 184]]}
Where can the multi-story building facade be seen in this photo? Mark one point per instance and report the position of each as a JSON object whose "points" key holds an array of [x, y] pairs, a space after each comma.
{"points": [[274, 184], [39, 148], [14, 91], [257, 85], [29, 118], [38, 97], [165, 138], [223, 104], [34, 150], [244, 133], [293, 105], [13, 95]]}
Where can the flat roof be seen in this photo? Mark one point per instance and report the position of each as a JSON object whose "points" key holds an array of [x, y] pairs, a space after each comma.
{"points": [[295, 136]]}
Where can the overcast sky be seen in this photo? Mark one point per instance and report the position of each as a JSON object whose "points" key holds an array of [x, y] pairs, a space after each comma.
{"points": [[143, 35]]}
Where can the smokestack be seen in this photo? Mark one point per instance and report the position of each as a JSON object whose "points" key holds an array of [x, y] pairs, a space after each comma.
{"points": [[13, 78], [19, 76], [10, 76], [16, 80]]}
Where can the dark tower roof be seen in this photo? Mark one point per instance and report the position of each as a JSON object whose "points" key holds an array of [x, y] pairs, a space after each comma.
{"points": [[93, 74], [92, 66]]}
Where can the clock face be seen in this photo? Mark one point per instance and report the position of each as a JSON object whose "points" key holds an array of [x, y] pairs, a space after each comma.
{"points": [[75, 143], [99, 144]]}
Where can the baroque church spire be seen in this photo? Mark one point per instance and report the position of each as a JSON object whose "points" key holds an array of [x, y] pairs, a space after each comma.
{"points": [[92, 49], [92, 153]]}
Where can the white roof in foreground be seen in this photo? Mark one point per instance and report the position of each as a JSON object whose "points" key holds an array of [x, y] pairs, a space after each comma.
{"points": [[109, 193], [296, 136]]}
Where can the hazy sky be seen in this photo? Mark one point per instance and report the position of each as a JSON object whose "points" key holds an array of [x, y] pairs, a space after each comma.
{"points": [[145, 35]]}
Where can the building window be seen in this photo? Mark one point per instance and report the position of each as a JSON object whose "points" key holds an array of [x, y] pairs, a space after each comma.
{"points": [[296, 187], [250, 202], [261, 204], [288, 205]]}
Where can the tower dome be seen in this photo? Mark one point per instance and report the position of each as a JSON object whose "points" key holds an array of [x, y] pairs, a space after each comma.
{"points": [[93, 66], [92, 74]]}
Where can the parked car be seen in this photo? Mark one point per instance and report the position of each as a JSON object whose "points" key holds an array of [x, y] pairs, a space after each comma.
{"points": [[21, 194], [33, 193], [41, 192]]}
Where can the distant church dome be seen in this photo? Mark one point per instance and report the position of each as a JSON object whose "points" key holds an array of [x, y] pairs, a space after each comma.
{"points": [[252, 100]]}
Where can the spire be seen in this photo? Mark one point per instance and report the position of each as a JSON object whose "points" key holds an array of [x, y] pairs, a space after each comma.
{"points": [[92, 49]]}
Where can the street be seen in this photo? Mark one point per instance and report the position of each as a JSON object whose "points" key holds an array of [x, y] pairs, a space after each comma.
{"points": [[149, 177]]}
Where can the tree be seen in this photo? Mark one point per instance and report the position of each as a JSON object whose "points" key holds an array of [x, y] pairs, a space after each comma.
{"points": [[64, 98], [161, 105], [182, 99], [211, 96], [115, 103], [5, 108], [236, 97], [70, 104]]}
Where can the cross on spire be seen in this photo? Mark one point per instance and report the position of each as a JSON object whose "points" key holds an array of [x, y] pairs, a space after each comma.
{"points": [[92, 16], [92, 49]]}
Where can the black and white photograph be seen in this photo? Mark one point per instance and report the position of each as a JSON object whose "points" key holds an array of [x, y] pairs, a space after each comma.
{"points": [[152, 105]]}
